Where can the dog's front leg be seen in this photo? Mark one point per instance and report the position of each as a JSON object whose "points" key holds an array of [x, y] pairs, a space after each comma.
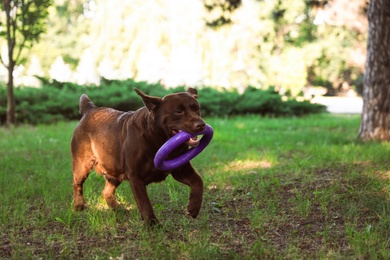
{"points": [[187, 175], [141, 197]]}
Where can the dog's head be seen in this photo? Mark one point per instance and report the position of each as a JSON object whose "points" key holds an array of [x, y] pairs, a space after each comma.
{"points": [[176, 112]]}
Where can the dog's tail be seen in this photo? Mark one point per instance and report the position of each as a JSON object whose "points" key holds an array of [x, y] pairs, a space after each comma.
{"points": [[85, 104]]}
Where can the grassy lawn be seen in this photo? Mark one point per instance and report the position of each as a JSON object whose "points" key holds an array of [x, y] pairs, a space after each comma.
{"points": [[274, 188]]}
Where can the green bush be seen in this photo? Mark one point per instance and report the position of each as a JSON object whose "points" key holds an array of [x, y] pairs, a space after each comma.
{"points": [[56, 101], [261, 102], [217, 102]]}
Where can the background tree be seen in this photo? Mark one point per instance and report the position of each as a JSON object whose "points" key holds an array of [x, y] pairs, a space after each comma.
{"points": [[221, 43], [24, 23], [302, 43], [375, 122], [220, 11], [67, 30]]}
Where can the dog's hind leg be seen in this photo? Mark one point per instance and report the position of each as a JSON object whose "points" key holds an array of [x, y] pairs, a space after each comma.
{"points": [[81, 171], [187, 175], [109, 192], [83, 162], [80, 174]]}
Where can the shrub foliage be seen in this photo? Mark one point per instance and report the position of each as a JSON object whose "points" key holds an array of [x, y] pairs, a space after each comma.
{"points": [[56, 101]]}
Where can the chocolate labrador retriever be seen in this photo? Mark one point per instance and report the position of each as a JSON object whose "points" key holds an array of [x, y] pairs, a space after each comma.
{"points": [[122, 145]]}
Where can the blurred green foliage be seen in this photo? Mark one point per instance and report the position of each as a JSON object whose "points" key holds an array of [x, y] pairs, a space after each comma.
{"points": [[56, 101], [221, 43]]}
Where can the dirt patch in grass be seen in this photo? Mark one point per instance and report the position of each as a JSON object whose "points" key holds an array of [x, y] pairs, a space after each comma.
{"points": [[230, 226], [310, 233], [331, 196], [311, 217]]}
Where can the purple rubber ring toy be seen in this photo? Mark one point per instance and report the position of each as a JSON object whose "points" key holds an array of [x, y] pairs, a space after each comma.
{"points": [[178, 139]]}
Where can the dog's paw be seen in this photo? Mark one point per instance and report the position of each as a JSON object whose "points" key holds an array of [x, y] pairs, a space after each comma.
{"points": [[192, 213], [114, 205], [79, 207], [152, 222]]}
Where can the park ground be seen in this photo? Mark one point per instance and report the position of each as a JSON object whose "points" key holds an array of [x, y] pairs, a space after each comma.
{"points": [[291, 188]]}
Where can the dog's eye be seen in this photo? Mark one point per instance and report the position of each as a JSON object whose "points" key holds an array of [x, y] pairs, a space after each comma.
{"points": [[195, 108], [179, 111]]}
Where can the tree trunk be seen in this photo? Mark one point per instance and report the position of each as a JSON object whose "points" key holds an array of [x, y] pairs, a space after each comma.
{"points": [[10, 117], [375, 120]]}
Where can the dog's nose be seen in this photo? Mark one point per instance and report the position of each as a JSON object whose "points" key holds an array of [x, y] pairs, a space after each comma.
{"points": [[200, 125]]}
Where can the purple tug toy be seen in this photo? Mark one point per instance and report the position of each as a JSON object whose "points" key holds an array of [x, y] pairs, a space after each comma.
{"points": [[178, 139]]}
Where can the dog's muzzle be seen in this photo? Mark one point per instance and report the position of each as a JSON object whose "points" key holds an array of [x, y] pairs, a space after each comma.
{"points": [[192, 142]]}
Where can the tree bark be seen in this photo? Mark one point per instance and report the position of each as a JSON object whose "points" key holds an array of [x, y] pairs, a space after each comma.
{"points": [[11, 30], [375, 120], [11, 113]]}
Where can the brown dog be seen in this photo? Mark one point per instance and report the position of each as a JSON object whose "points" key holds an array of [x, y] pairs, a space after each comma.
{"points": [[122, 145]]}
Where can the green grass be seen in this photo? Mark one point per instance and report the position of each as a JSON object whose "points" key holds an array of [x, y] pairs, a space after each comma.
{"points": [[274, 188]]}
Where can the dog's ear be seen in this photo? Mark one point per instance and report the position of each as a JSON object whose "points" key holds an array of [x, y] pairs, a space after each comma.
{"points": [[193, 92], [149, 101]]}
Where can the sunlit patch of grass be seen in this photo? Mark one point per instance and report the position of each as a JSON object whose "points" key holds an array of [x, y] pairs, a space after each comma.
{"points": [[384, 175], [247, 165]]}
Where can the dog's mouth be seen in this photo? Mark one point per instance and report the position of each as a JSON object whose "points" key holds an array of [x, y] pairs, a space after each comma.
{"points": [[192, 142]]}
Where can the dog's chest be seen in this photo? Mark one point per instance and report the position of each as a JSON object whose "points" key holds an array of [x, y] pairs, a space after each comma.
{"points": [[154, 176]]}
